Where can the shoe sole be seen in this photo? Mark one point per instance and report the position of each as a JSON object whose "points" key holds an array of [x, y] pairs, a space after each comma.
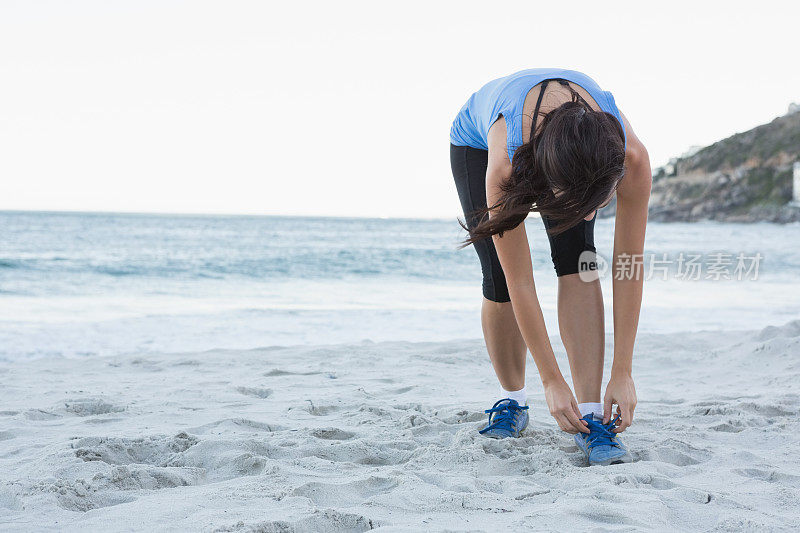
{"points": [[615, 461], [498, 437]]}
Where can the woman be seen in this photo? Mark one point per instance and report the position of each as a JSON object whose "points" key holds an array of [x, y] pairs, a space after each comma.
{"points": [[551, 141]]}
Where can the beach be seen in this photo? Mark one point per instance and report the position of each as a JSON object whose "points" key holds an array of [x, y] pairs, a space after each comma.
{"points": [[353, 437], [216, 373]]}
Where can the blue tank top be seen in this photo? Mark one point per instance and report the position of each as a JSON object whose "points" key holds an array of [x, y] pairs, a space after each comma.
{"points": [[506, 97]]}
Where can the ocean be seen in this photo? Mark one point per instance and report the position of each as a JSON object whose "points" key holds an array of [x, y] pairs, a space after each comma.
{"points": [[94, 284]]}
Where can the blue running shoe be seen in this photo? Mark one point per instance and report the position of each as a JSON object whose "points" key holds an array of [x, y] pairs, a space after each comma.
{"points": [[601, 446], [507, 418]]}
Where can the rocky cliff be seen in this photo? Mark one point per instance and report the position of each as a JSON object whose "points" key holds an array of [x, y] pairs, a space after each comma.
{"points": [[744, 178]]}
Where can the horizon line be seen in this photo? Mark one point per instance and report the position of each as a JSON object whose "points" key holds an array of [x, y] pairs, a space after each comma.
{"points": [[212, 214]]}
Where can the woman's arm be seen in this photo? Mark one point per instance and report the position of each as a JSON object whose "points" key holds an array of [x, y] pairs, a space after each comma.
{"points": [[513, 251], [633, 194]]}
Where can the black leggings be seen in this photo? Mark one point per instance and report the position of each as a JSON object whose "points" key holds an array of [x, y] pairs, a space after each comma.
{"points": [[469, 170]]}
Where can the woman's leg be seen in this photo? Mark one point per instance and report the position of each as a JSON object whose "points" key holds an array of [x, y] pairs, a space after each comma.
{"points": [[580, 311], [504, 341], [581, 324]]}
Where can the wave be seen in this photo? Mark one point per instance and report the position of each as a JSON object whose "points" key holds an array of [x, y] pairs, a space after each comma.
{"points": [[296, 264]]}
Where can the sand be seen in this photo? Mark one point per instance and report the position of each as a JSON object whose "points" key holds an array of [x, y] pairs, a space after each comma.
{"points": [[385, 436]]}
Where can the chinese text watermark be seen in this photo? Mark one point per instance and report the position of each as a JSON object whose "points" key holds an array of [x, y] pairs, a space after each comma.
{"points": [[714, 266]]}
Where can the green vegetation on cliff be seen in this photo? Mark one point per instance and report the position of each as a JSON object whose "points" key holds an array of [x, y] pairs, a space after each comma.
{"points": [[746, 177], [768, 144]]}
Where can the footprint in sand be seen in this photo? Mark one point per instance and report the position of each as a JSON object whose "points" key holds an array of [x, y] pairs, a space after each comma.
{"points": [[731, 426], [321, 410], [255, 392], [101, 421], [673, 452], [332, 434], [278, 372], [646, 480], [40, 414], [649, 481], [107, 489], [79, 495], [769, 476], [743, 409], [91, 406], [154, 450], [328, 520], [236, 425], [344, 494]]}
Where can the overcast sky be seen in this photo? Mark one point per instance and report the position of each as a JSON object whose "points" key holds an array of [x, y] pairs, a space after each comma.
{"points": [[343, 108]]}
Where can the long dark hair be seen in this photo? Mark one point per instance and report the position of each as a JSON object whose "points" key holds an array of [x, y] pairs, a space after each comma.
{"points": [[571, 166]]}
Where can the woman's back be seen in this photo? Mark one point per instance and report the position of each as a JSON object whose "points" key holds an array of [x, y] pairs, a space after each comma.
{"points": [[512, 97]]}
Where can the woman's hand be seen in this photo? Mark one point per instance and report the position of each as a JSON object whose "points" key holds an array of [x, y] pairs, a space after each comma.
{"points": [[563, 407], [620, 391]]}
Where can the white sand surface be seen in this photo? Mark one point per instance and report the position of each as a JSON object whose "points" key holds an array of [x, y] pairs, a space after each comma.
{"points": [[385, 436]]}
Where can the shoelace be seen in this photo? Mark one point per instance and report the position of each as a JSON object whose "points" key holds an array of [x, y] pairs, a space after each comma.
{"points": [[505, 417], [601, 434]]}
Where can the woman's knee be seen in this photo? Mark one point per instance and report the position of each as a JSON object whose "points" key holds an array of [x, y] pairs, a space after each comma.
{"points": [[567, 247], [495, 292], [494, 281]]}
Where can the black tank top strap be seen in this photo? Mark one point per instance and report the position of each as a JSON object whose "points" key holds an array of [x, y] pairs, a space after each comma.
{"points": [[563, 82], [538, 105]]}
